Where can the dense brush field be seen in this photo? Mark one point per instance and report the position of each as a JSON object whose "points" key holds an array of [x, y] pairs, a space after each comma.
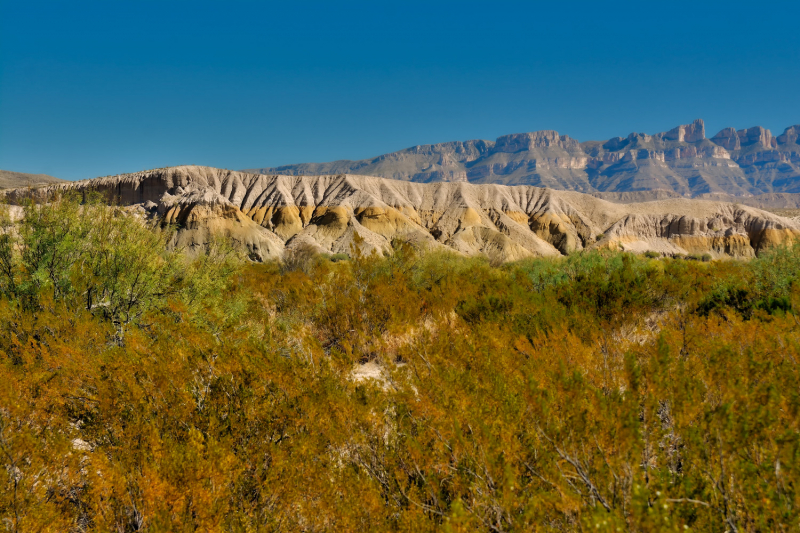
{"points": [[144, 391]]}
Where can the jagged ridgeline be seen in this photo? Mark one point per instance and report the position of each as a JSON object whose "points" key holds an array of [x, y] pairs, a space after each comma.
{"points": [[270, 214], [682, 162]]}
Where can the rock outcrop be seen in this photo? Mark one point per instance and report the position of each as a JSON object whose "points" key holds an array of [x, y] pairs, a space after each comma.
{"points": [[742, 163], [268, 214]]}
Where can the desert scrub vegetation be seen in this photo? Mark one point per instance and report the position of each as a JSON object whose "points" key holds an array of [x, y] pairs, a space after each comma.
{"points": [[602, 392]]}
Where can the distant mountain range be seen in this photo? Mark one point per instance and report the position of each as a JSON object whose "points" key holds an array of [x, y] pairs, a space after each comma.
{"points": [[680, 162]]}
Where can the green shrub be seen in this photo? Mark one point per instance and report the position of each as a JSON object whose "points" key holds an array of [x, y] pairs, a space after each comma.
{"points": [[106, 261]]}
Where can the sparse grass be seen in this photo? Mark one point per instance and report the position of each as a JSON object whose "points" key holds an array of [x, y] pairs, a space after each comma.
{"points": [[790, 213]]}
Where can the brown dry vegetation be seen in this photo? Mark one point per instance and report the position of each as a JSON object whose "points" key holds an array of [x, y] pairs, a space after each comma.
{"points": [[603, 392]]}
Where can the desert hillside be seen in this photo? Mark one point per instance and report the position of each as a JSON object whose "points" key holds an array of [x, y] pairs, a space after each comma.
{"points": [[269, 214], [12, 180]]}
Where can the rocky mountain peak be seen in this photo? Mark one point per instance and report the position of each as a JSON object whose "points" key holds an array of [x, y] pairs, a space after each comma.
{"points": [[690, 133], [730, 139], [789, 135], [471, 149], [727, 138], [755, 135], [519, 142]]}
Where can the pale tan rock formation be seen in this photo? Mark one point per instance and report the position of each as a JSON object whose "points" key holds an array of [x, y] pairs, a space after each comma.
{"points": [[694, 132], [268, 214], [203, 213]]}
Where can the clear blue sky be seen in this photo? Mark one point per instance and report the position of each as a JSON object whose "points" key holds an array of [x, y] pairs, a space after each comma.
{"points": [[96, 88]]}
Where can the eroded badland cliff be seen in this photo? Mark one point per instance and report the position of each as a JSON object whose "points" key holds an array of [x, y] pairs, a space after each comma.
{"points": [[269, 214]]}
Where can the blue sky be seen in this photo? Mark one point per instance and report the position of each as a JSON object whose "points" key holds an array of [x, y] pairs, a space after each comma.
{"points": [[97, 88]]}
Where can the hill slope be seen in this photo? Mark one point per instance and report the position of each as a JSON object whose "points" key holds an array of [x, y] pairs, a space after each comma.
{"points": [[11, 180], [682, 161], [269, 214]]}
